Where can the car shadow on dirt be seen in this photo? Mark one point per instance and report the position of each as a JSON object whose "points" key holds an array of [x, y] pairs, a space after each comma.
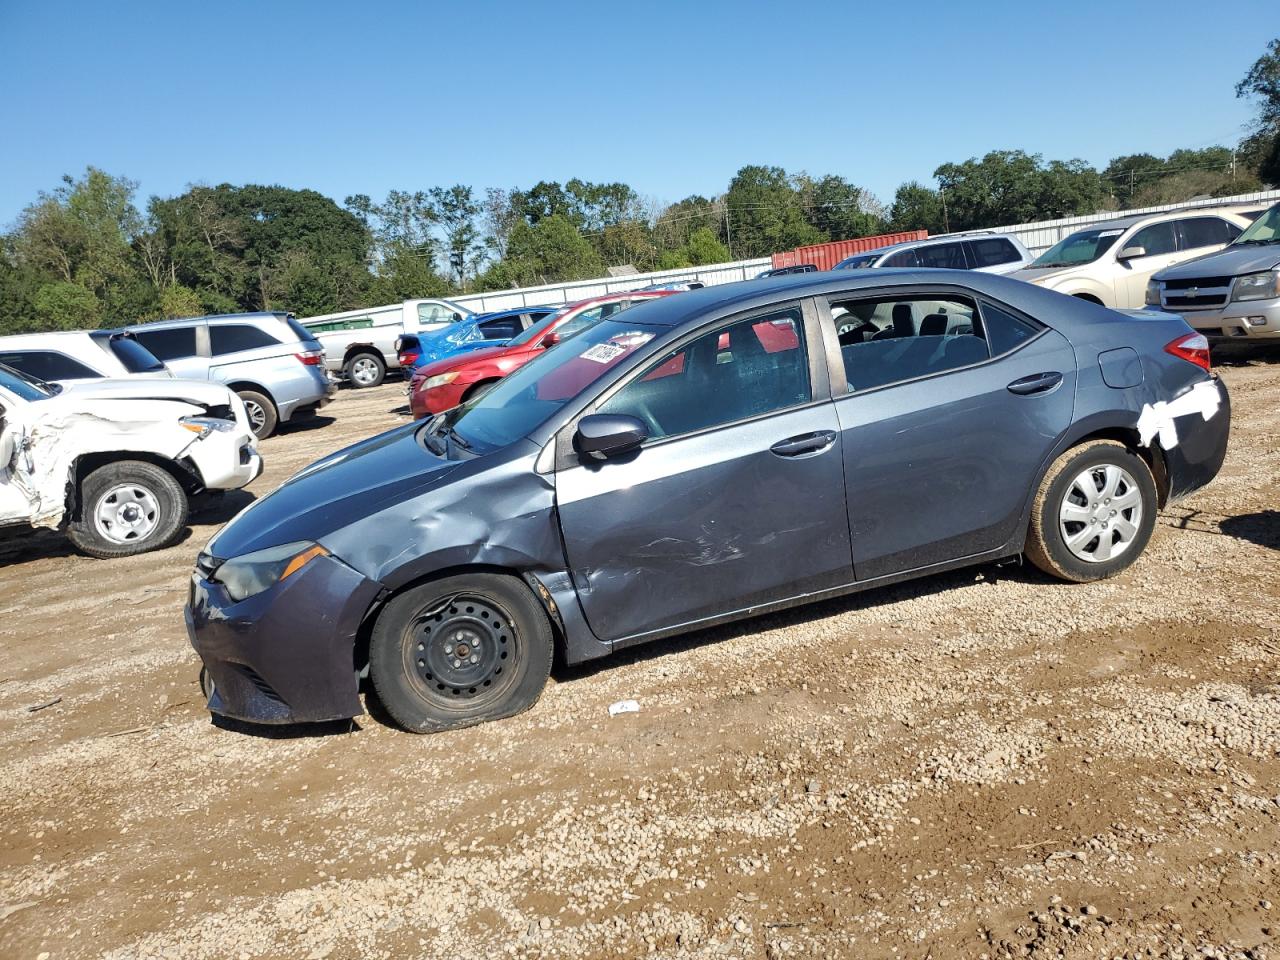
{"points": [[1262, 528], [1244, 354], [304, 425], [987, 574]]}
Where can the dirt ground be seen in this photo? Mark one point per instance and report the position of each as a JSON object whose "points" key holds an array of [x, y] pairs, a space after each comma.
{"points": [[980, 764]]}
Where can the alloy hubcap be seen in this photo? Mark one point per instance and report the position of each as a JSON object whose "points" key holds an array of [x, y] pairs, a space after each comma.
{"points": [[461, 649], [364, 370], [257, 416], [127, 513], [1101, 513]]}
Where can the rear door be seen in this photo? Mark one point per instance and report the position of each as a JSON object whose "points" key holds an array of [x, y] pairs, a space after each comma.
{"points": [[737, 498], [949, 407]]}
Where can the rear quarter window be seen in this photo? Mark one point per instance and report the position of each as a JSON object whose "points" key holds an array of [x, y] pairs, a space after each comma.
{"points": [[992, 252], [235, 337], [133, 356]]}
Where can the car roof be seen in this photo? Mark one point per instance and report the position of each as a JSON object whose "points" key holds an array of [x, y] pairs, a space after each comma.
{"points": [[744, 295], [180, 321]]}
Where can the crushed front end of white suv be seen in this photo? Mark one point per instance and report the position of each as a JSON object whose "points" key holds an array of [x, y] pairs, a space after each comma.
{"points": [[115, 462]]}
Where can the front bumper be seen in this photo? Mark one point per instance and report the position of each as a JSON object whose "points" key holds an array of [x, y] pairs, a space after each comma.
{"points": [[226, 461], [287, 654], [1236, 321], [1202, 446]]}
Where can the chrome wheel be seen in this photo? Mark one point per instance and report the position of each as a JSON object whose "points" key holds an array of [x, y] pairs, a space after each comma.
{"points": [[365, 371], [127, 513], [257, 416], [1101, 513]]}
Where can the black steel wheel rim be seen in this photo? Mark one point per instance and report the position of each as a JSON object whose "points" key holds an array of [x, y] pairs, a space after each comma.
{"points": [[461, 650]]}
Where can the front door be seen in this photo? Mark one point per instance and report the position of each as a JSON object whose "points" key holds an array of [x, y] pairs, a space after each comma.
{"points": [[1160, 244], [953, 404], [735, 501]]}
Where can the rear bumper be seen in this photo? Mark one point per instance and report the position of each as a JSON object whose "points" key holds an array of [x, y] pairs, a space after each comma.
{"points": [[1202, 446], [306, 393], [287, 654]]}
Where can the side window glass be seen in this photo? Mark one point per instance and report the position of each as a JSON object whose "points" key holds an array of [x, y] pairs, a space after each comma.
{"points": [[501, 329], [1206, 232], [1155, 239], [227, 338], [48, 365], [890, 339], [949, 255], [173, 344], [993, 252], [903, 258], [745, 370], [1004, 331], [433, 313], [585, 319]]}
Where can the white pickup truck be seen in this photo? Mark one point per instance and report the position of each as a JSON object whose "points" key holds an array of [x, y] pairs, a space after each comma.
{"points": [[360, 345], [114, 462]]}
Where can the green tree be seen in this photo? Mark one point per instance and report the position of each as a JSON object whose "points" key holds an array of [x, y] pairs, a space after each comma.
{"points": [[765, 213], [549, 251], [1261, 150], [1127, 174], [837, 208], [917, 207], [1011, 186], [455, 210], [63, 305]]}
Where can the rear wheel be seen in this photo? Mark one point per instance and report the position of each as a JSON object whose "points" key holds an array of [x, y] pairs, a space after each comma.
{"points": [[366, 370], [127, 508], [263, 418], [1094, 512], [459, 651]]}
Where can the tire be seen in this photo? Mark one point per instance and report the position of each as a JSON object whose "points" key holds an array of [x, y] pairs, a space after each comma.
{"points": [[365, 369], [1067, 510], [206, 684], [478, 390], [126, 508], [506, 645], [263, 418]]}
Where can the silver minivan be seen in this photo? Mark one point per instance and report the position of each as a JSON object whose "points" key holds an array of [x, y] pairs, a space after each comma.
{"points": [[270, 360]]}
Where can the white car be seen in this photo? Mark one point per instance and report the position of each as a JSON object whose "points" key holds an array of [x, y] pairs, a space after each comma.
{"points": [[1111, 261], [69, 356], [114, 462], [981, 250]]}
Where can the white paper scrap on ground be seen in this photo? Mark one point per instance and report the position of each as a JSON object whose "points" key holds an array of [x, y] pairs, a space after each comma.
{"points": [[623, 706], [1157, 419]]}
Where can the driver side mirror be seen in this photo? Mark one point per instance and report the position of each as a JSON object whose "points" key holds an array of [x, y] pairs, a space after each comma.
{"points": [[610, 434], [1131, 253], [550, 340], [457, 317]]}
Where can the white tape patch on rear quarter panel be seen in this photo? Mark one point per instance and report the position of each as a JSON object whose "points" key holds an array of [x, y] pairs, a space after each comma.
{"points": [[1157, 419]]}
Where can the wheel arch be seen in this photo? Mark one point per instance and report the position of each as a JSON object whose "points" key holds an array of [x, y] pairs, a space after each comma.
{"points": [[1088, 297], [531, 580], [184, 473], [235, 386], [355, 349]]}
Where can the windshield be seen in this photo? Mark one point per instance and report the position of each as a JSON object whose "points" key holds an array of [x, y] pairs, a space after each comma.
{"points": [[857, 263], [525, 399], [538, 329], [1266, 229], [19, 384], [1084, 246], [133, 355]]}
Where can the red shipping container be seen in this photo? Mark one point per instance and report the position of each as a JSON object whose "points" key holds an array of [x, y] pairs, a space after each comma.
{"points": [[824, 256]]}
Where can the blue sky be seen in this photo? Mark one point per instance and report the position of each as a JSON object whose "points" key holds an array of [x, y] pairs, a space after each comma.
{"points": [[671, 98]]}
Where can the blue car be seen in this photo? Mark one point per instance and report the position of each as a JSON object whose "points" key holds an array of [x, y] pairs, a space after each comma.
{"points": [[477, 332]]}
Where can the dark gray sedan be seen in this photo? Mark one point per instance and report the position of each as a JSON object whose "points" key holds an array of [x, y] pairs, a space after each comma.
{"points": [[701, 458]]}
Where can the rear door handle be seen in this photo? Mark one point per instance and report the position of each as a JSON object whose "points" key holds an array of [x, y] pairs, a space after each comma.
{"points": [[1036, 383], [805, 443]]}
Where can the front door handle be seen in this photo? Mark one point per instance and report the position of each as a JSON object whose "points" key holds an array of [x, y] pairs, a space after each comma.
{"points": [[814, 442], [1036, 383]]}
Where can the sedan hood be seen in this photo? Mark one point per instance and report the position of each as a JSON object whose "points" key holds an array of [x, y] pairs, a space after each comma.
{"points": [[334, 492], [1234, 261], [200, 393], [453, 361]]}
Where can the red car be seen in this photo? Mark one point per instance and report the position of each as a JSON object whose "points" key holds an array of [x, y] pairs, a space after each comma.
{"points": [[444, 384]]}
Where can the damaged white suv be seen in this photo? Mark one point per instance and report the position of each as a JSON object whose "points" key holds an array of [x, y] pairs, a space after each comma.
{"points": [[114, 462]]}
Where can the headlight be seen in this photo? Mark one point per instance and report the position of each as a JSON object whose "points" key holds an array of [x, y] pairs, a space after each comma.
{"points": [[206, 425], [1257, 286], [439, 380], [252, 573], [1153, 293]]}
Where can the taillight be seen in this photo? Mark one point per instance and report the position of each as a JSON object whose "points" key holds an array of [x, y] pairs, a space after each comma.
{"points": [[310, 358], [408, 359], [1193, 348]]}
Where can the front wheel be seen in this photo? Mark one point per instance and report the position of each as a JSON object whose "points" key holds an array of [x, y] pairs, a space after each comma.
{"points": [[459, 651], [1094, 513], [127, 508]]}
